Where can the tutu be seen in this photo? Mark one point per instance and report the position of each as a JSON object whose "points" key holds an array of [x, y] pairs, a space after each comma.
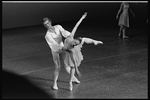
{"points": [[124, 20], [76, 55], [124, 17]]}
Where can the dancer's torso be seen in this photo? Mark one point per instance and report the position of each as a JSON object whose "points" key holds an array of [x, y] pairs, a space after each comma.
{"points": [[56, 35], [125, 8]]}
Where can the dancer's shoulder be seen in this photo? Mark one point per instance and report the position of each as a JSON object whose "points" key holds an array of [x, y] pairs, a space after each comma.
{"points": [[58, 26]]}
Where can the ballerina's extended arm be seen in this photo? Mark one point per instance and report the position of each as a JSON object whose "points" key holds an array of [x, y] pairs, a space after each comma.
{"points": [[74, 30], [77, 24]]}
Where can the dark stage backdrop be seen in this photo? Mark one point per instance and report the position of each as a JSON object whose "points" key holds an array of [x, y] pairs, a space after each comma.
{"points": [[28, 14]]}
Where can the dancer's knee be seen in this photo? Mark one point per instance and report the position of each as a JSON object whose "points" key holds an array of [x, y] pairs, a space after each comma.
{"points": [[57, 69], [72, 68]]}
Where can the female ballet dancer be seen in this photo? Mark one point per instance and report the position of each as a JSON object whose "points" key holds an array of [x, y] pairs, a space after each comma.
{"points": [[124, 18], [73, 47]]}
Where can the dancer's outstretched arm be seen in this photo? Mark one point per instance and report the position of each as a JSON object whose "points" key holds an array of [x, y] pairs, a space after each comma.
{"points": [[89, 41], [131, 12], [77, 24]]}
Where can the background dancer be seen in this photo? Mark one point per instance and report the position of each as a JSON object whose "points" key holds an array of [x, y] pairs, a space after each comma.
{"points": [[124, 18]]}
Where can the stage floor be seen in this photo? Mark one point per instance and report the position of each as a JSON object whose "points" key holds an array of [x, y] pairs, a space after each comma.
{"points": [[116, 69]]}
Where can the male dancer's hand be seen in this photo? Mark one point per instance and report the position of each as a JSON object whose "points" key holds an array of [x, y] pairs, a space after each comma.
{"points": [[59, 51], [64, 49]]}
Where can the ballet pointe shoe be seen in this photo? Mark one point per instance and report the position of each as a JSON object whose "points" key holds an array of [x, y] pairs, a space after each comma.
{"points": [[125, 37], [75, 80], [70, 86], [96, 42], [100, 42], [55, 87]]}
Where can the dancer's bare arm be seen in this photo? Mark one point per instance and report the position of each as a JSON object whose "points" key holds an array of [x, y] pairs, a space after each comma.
{"points": [[121, 6], [131, 11], [77, 24]]}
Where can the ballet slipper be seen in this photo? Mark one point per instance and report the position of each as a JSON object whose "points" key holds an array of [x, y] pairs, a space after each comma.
{"points": [[100, 42], [78, 82], [75, 80], [70, 86], [55, 87], [125, 37]]}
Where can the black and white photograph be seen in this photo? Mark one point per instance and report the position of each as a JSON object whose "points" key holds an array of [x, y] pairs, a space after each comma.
{"points": [[74, 49]]}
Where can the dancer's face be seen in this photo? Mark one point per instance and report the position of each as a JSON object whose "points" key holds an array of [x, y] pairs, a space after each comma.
{"points": [[48, 24]]}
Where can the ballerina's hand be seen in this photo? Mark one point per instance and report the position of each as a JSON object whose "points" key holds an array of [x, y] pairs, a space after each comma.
{"points": [[85, 14]]}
